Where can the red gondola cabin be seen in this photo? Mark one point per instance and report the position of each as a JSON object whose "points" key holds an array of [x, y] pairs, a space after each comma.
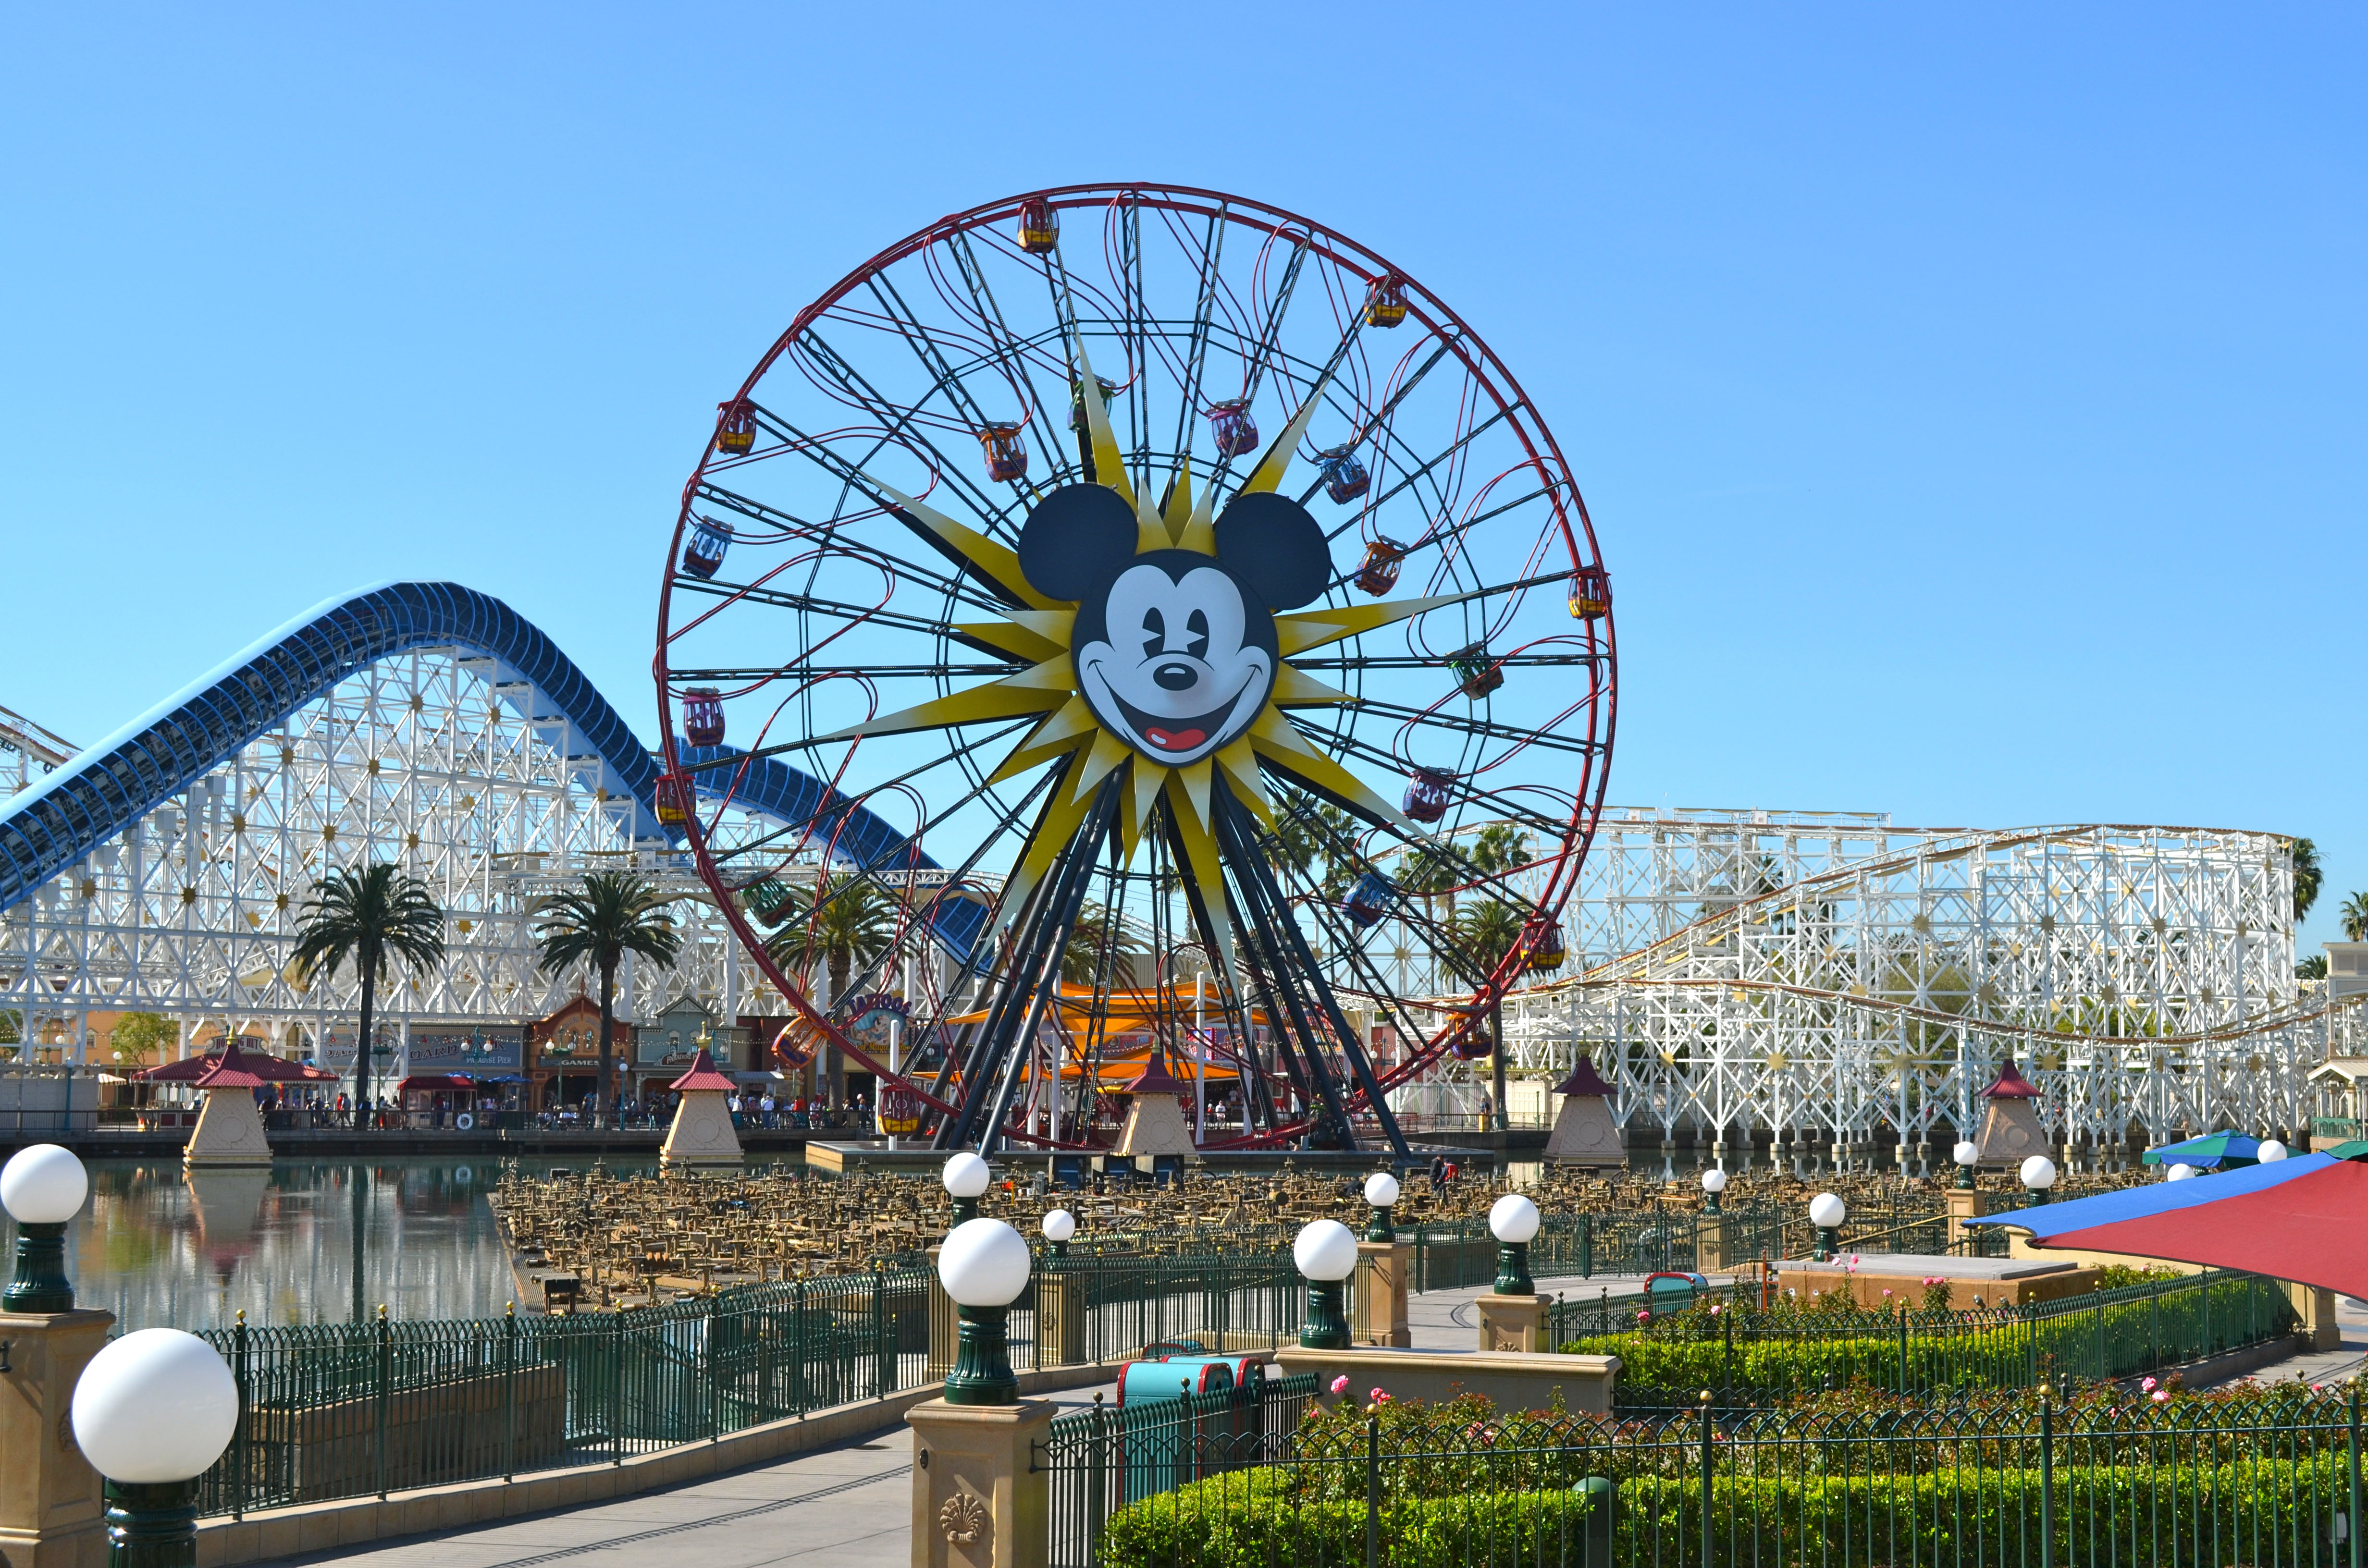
{"points": [[702, 716], [1040, 226], [1385, 303], [671, 801], [1541, 946], [1379, 573], [1235, 431], [1427, 794], [1591, 594]]}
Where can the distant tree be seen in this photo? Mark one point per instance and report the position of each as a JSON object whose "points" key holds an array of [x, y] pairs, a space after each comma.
{"points": [[2306, 876], [136, 1034], [376, 915], [1097, 932], [614, 912], [838, 925], [2355, 918], [2312, 968]]}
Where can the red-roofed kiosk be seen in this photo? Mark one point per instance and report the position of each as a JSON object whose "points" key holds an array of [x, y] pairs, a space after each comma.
{"points": [[1154, 1114], [1584, 1133], [229, 1134], [702, 1133], [2011, 1130]]}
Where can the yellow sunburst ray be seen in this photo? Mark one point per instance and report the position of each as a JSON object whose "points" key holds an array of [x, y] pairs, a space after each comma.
{"points": [[1107, 753], [1054, 830], [1295, 687], [1060, 732], [1110, 466], [1020, 642], [1042, 689], [1176, 512], [1191, 806], [1298, 631], [1150, 777], [999, 563], [1277, 739], [1276, 460], [1240, 765], [1052, 625]]}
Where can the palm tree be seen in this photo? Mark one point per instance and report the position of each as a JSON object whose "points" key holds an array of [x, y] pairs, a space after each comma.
{"points": [[1500, 847], [2308, 877], [375, 915], [839, 928], [1097, 930], [615, 912], [2311, 967], [2355, 918]]}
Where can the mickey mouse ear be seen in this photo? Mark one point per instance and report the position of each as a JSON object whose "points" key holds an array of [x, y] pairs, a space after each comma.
{"points": [[1079, 537], [1276, 546]]}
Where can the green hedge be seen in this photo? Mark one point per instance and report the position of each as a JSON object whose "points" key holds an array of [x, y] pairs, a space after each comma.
{"points": [[1790, 1352], [2105, 1516]]}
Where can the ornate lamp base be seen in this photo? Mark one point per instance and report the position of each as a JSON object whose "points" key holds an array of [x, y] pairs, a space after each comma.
{"points": [[982, 1373], [1513, 1271], [41, 1285], [152, 1525], [1327, 1324]]}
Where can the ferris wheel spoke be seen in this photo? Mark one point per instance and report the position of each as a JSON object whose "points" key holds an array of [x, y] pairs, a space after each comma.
{"points": [[1197, 344], [1478, 728], [906, 428], [1009, 354], [964, 591]]}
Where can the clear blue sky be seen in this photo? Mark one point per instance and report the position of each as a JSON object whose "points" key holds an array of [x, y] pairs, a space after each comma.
{"points": [[1969, 399]]}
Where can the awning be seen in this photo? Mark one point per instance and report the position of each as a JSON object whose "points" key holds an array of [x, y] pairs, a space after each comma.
{"points": [[2210, 1151], [432, 1083], [2295, 1219], [270, 1069]]}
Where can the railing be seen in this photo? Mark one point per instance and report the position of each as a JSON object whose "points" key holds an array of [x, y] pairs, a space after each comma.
{"points": [[356, 1410], [1750, 1356], [2022, 1481], [1104, 1458], [1650, 1240]]}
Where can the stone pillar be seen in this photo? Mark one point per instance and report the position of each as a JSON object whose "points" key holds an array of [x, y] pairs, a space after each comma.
{"points": [[1512, 1323], [1965, 1203], [978, 1500], [1060, 1319], [1709, 1245], [2316, 1309], [1381, 1308], [51, 1510]]}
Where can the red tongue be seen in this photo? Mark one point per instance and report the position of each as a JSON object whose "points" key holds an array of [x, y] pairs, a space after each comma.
{"points": [[1176, 740]]}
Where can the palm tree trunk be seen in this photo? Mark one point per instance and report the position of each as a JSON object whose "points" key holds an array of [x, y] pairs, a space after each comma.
{"points": [[603, 1099], [835, 1061], [362, 1039]]}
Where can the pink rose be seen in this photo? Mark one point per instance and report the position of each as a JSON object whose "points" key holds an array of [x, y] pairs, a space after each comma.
{"points": [[1340, 1383], [1378, 1396], [2146, 1385], [1714, 1309], [2161, 1395]]}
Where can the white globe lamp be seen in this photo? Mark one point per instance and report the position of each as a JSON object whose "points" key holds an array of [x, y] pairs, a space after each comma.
{"points": [[1381, 1192], [1714, 1182], [1968, 1154], [983, 1266], [2180, 1172], [966, 1177], [1326, 1252], [151, 1412], [2271, 1151], [1058, 1227], [1827, 1213], [1513, 1220], [43, 1188], [2038, 1174]]}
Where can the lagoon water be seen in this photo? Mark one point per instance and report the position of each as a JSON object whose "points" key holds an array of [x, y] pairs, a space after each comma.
{"points": [[304, 1241]]}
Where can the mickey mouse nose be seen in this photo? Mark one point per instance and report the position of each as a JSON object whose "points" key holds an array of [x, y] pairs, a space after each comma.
{"points": [[1175, 678]]}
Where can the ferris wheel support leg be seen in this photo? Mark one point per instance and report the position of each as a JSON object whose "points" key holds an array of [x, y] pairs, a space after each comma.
{"points": [[1258, 1090], [1279, 936], [1295, 943]]}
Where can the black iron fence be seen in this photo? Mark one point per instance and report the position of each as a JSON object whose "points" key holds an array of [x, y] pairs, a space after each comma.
{"points": [[2022, 1481], [354, 1410]]}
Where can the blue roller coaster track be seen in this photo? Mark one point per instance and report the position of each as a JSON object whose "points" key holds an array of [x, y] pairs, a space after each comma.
{"points": [[52, 826]]}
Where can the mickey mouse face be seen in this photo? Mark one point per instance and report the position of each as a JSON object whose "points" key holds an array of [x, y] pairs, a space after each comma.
{"points": [[1175, 651]]}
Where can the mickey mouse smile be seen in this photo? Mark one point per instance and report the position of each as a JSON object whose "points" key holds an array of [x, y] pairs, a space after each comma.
{"points": [[1182, 662]]}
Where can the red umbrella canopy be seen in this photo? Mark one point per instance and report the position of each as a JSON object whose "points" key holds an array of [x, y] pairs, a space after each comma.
{"points": [[266, 1069]]}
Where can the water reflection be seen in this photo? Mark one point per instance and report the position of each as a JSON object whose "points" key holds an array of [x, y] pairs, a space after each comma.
{"points": [[304, 1241]]}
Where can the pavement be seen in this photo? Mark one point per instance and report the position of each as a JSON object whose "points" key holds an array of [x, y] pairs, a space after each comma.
{"points": [[2324, 1366]]}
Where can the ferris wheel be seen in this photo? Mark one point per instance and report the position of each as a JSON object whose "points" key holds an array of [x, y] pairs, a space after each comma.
{"points": [[1147, 594]]}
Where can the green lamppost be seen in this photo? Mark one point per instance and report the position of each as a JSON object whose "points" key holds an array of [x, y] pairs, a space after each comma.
{"points": [[983, 1266], [2038, 1175], [1325, 1251], [153, 1412], [1059, 1226], [1968, 1154], [1513, 1220], [1827, 1213], [43, 1188], [966, 1177], [1381, 1192]]}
